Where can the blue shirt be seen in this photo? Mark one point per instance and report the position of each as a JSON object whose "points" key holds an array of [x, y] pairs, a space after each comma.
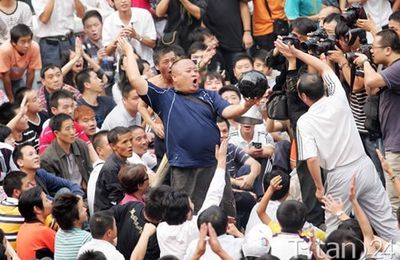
{"points": [[191, 132], [105, 105], [297, 8]]}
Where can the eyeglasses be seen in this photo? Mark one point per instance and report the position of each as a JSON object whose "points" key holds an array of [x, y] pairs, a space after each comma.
{"points": [[378, 47]]}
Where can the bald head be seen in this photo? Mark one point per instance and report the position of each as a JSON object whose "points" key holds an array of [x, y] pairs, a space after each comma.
{"points": [[185, 76], [180, 65]]}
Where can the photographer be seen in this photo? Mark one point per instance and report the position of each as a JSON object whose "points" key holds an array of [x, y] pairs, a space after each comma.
{"points": [[386, 51], [349, 41]]}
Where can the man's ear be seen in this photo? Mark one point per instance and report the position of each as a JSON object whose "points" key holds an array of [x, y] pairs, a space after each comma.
{"points": [[20, 163], [16, 193]]}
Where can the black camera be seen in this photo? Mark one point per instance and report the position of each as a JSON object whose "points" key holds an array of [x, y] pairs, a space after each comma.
{"points": [[292, 40], [353, 13], [352, 35], [364, 49], [319, 42]]}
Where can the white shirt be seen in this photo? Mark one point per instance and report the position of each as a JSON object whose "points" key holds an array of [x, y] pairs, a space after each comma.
{"points": [[328, 129], [61, 21], [259, 136], [285, 246], [174, 239], [99, 5], [142, 22], [21, 14], [91, 187], [379, 10], [254, 220], [231, 245], [103, 246], [119, 116]]}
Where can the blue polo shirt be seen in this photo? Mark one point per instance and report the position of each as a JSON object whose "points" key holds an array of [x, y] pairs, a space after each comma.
{"points": [[191, 132]]}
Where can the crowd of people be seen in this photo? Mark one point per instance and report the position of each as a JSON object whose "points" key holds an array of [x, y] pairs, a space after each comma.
{"points": [[199, 129]]}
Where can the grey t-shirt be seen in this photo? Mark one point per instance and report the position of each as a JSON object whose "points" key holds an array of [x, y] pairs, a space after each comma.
{"points": [[73, 169], [389, 108], [21, 14]]}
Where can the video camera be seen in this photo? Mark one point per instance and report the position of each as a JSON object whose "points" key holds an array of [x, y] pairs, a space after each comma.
{"points": [[292, 40], [319, 42], [353, 13], [364, 49]]}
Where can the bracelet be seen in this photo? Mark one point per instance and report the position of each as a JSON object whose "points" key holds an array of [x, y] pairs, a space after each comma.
{"points": [[342, 65], [247, 30], [339, 213]]}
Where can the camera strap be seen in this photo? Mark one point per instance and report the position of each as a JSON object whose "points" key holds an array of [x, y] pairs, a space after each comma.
{"points": [[268, 9]]}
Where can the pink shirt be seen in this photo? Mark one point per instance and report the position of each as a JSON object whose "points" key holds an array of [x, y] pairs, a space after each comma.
{"points": [[141, 4], [129, 198]]}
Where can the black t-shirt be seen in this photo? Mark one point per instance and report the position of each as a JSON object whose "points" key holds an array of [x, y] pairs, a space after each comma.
{"points": [[37, 128], [105, 105], [130, 222], [224, 21]]}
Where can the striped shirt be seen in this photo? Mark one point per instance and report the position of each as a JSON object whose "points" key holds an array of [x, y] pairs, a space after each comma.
{"points": [[10, 219], [357, 102], [29, 137], [69, 242], [235, 158]]}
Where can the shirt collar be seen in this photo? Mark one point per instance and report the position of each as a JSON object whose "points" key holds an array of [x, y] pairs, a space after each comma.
{"points": [[11, 201]]}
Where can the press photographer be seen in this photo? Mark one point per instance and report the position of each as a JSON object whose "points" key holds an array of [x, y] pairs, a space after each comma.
{"points": [[386, 51]]}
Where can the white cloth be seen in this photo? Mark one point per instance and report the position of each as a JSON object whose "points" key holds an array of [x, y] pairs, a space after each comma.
{"points": [[21, 14], [61, 21], [254, 220], [379, 10], [328, 130], [103, 246], [136, 159], [259, 136], [99, 5], [91, 186], [119, 116], [174, 239], [231, 245], [285, 246], [142, 22], [116, 93]]}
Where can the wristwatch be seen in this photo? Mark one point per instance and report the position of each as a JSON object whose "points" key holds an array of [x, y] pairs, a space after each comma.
{"points": [[140, 38]]}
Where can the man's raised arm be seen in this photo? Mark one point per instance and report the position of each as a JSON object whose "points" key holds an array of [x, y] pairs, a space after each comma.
{"points": [[132, 70]]}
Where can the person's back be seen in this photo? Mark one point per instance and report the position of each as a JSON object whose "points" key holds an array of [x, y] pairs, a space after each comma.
{"points": [[332, 124]]}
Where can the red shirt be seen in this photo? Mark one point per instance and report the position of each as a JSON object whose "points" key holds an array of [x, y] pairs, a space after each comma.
{"points": [[47, 136], [145, 4]]}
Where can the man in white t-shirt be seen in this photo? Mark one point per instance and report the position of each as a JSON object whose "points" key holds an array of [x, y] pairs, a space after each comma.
{"points": [[327, 137], [136, 24]]}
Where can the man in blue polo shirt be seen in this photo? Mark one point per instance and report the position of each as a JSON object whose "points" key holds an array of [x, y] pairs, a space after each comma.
{"points": [[191, 134]]}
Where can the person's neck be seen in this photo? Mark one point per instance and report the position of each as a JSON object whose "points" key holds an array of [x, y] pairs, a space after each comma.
{"points": [[122, 158], [138, 195], [41, 218], [8, 3], [77, 224], [90, 98], [17, 135], [125, 16], [131, 113], [393, 59], [33, 116], [31, 173], [66, 147], [247, 136]]}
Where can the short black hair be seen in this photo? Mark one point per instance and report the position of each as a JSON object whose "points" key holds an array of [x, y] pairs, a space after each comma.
{"points": [[20, 94], [92, 255], [154, 202], [48, 67], [57, 95], [312, 85], [333, 17], [90, 14], [303, 25], [229, 88], [130, 176], [161, 51], [28, 200], [177, 207], [352, 225], [57, 120], [277, 171], [113, 134], [216, 216], [299, 257], [343, 244], [100, 222], [81, 78], [65, 210], [18, 31], [223, 120], [389, 38], [260, 54], [198, 34], [126, 89], [239, 57], [291, 215], [195, 47], [168, 257], [395, 16], [5, 132], [17, 153], [7, 112], [96, 138], [13, 181]]}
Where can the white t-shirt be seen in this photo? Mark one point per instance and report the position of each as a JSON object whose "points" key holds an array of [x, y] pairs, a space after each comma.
{"points": [[103, 246], [119, 116], [91, 187], [142, 22], [285, 246], [21, 14], [379, 10], [254, 220], [61, 21], [328, 130], [231, 245]]}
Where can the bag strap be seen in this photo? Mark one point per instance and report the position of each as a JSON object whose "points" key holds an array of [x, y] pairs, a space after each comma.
{"points": [[199, 101], [268, 9]]}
